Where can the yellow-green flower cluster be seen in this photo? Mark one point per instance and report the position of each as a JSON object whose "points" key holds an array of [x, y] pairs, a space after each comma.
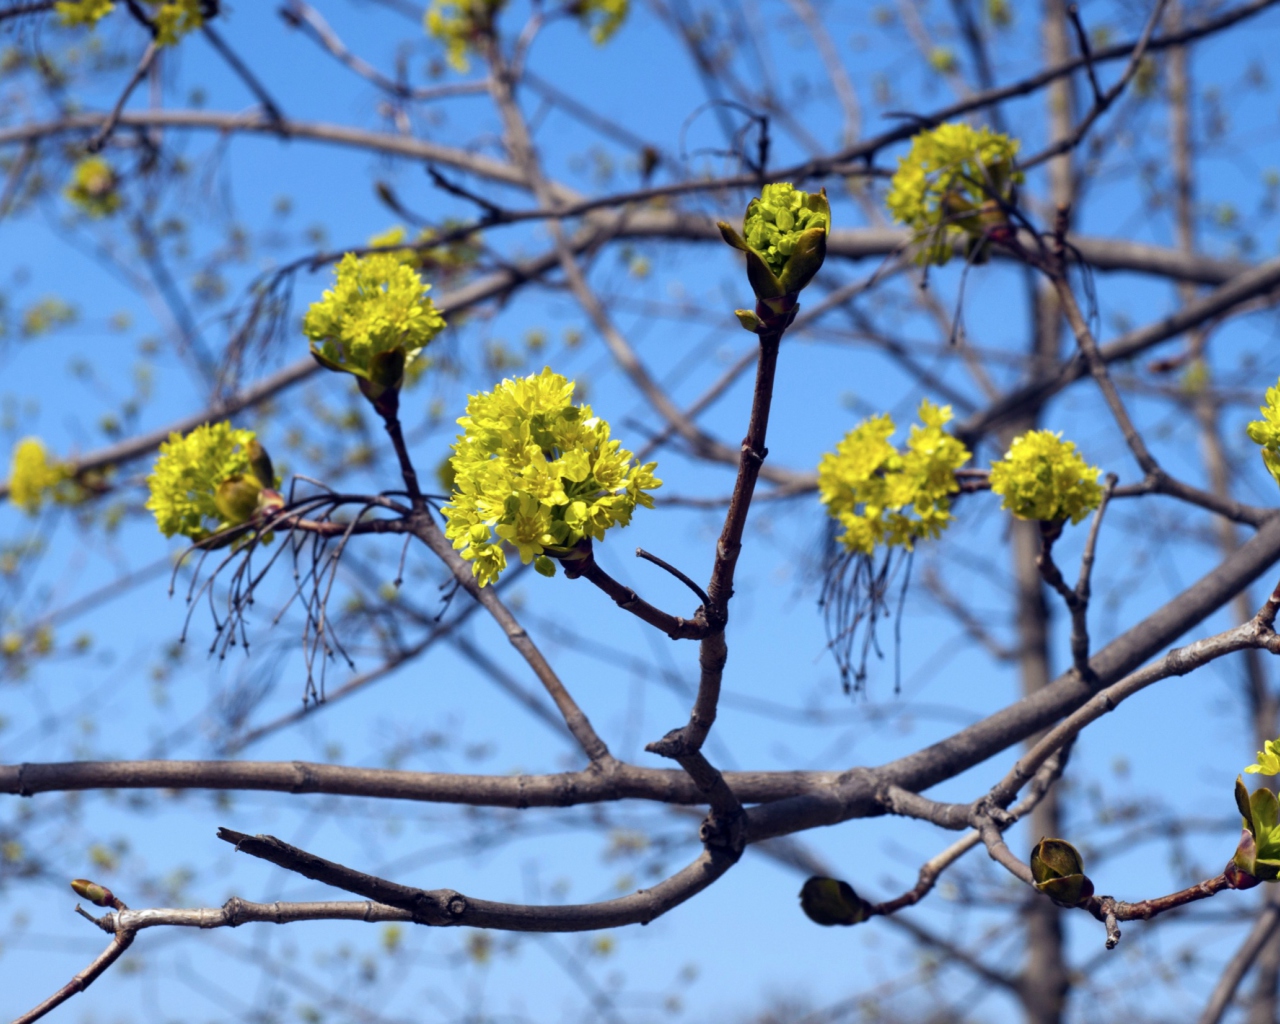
{"points": [[374, 321], [883, 496], [33, 476], [951, 186], [175, 18], [602, 18], [1268, 759], [1044, 477], [1266, 432], [457, 24], [94, 187], [82, 12], [209, 480], [536, 472], [784, 235]]}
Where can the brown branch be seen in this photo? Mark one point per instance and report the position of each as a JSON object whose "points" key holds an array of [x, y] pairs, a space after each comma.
{"points": [[447, 908], [628, 600], [100, 137], [115, 949], [426, 530], [563, 789]]}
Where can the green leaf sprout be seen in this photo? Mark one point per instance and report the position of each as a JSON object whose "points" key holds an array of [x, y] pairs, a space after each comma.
{"points": [[537, 473], [952, 186], [883, 496], [1044, 477]]}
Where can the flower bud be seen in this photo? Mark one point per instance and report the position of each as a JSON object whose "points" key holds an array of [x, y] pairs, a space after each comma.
{"points": [[237, 499], [829, 901], [1058, 870], [749, 320], [784, 238], [99, 895]]}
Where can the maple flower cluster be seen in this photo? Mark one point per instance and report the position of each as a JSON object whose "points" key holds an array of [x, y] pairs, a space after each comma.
{"points": [[94, 187], [1044, 477], [784, 235], [883, 496], [33, 476], [172, 19], [212, 479], [458, 23], [951, 185], [374, 321], [538, 473], [1266, 432]]}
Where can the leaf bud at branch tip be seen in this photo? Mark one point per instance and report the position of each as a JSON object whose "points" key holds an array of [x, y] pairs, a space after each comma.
{"points": [[98, 895], [1058, 871], [829, 901]]}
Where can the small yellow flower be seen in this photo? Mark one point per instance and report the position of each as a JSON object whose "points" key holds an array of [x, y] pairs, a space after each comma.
{"points": [[951, 186], [883, 496], [1268, 759], [1266, 432], [82, 12], [374, 321], [94, 187], [33, 476], [207, 481], [1044, 477], [537, 473]]}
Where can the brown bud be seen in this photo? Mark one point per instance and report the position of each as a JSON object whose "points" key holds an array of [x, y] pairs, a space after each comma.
{"points": [[99, 895]]}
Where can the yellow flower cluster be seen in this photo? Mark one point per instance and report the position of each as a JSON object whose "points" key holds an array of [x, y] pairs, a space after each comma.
{"points": [[457, 23], [784, 236], [93, 188], [82, 12], [883, 496], [374, 321], [1266, 432], [33, 476], [175, 18], [1268, 759], [1044, 477], [951, 186], [536, 472], [209, 480], [602, 18]]}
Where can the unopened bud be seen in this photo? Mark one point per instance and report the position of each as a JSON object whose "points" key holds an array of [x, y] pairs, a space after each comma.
{"points": [[749, 320], [829, 901], [1058, 871], [236, 499], [99, 895]]}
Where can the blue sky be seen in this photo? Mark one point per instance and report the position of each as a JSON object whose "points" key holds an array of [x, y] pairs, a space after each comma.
{"points": [[746, 939]]}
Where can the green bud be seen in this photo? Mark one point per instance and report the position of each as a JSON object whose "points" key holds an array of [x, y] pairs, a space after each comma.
{"points": [[544, 565], [99, 895], [1058, 870], [260, 463], [829, 901], [236, 499], [1258, 853], [784, 238], [749, 320]]}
